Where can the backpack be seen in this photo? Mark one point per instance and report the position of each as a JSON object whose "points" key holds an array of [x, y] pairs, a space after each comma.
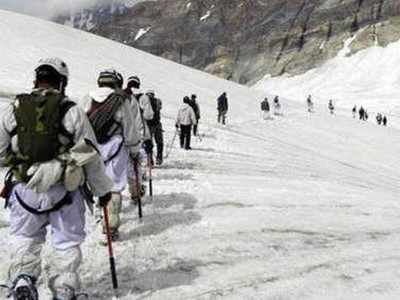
{"points": [[193, 104], [39, 117], [265, 105], [101, 116], [156, 107]]}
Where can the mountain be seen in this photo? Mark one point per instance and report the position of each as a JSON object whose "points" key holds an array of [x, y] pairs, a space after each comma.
{"points": [[243, 40], [96, 16], [298, 207]]}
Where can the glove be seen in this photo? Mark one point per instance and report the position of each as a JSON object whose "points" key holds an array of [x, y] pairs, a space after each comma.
{"points": [[176, 126], [148, 146], [103, 200]]}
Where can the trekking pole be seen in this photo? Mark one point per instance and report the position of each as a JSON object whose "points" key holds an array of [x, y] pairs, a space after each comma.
{"points": [[172, 144], [138, 191], [150, 178], [199, 138], [111, 253]]}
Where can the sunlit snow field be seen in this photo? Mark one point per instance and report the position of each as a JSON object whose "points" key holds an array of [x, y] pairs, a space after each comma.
{"points": [[369, 78], [298, 207]]}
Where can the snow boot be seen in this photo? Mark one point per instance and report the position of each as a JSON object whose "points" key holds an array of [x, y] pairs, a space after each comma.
{"points": [[23, 288], [64, 291]]}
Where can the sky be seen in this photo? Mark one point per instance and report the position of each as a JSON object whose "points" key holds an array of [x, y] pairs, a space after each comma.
{"points": [[46, 8]]}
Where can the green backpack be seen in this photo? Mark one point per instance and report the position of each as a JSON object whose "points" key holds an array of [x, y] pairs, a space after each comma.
{"points": [[39, 118]]}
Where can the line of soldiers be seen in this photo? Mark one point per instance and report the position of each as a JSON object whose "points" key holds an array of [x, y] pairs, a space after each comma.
{"points": [[265, 108], [60, 156], [363, 115]]}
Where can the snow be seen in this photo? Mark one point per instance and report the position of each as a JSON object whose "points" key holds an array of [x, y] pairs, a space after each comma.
{"points": [[299, 207], [205, 17], [141, 32], [367, 78]]}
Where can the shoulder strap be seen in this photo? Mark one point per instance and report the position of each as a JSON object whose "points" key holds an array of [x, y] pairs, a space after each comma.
{"points": [[65, 107]]}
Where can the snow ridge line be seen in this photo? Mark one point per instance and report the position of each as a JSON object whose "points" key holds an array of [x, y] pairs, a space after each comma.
{"points": [[7, 95]]}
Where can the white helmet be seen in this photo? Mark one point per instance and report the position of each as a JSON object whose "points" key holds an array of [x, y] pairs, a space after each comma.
{"points": [[57, 64], [150, 92]]}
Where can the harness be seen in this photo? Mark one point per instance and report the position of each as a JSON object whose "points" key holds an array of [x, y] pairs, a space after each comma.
{"points": [[11, 178]]}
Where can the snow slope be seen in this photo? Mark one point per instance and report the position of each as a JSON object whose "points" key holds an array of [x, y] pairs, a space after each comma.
{"points": [[299, 207], [370, 78]]}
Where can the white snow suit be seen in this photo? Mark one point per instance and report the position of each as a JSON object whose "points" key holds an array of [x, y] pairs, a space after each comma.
{"points": [[142, 159], [186, 116], [126, 141], [145, 105], [67, 223]]}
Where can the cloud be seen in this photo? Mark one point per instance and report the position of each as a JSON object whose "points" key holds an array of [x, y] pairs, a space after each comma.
{"points": [[48, 8]]}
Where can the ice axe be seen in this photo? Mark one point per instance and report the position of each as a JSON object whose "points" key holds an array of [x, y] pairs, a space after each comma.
{"points": [[172, 144], [138, 191], [111, 253], [150, 165]]}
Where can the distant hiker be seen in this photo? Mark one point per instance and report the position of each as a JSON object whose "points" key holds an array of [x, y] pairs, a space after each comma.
{"points": [[354, 111], [331, 107], [277, 106], [265, 108], [222, 106], [195, 106], [184, 121], [151, 107], [384, 121], [117, 132], [54, 158], [310, 104], [133, 82], [361, 113], [365, 115], [379, 118]]}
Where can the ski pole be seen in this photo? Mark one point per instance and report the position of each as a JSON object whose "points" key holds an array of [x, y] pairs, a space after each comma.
{"points": [[136, 169], [150, 178], [111, 253], [172, 144], [198, 135]]}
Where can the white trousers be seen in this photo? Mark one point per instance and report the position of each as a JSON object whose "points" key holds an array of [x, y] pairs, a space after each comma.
{"points": [[117, 167], [66, 228]]}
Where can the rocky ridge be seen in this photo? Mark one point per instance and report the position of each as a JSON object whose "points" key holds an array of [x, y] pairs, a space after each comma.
{"points": [[243, 40]]}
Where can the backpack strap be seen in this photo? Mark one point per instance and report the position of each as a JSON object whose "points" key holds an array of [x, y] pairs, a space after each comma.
{"points": [[116, 152], [65, 107], [8, 187], [64, 201]]}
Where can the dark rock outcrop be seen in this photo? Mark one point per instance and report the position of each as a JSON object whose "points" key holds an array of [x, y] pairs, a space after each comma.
{"points": [[243, 40]]}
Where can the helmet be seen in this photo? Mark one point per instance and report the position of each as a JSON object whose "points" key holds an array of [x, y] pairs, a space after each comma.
{"points": [[134, 82], [54, 71], [150, 92], [109, 78], [186, 99], [193, 96], [57, 64]]}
